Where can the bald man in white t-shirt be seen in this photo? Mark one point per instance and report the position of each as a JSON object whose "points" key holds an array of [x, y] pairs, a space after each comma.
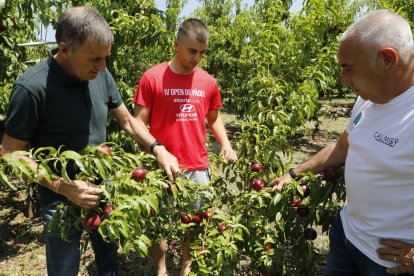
{"points": [[374, 232]]}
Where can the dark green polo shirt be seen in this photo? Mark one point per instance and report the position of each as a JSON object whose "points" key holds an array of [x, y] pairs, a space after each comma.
{"points": [[49, 108]]}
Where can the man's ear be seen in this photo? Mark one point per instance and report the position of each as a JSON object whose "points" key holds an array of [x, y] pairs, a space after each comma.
{"points": [[389, 56], [63, 49], [176, 44]]}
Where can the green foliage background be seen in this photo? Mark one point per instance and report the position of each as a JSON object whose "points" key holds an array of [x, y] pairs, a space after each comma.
{"points": [[273, 66]]}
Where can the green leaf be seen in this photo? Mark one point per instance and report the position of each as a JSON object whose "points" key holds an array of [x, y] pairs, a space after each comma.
{"points": [[276, 199], [45, 171], [124, 228], [278, 217], [238, 236], [25, 168], [152, 201], [146, 240], [143, 248], [219, 258], [65, 175], [101, 169], [5, 181], [69, 154]]}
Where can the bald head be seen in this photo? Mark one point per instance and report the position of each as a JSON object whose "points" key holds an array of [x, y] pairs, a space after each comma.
{"points": [[380, 29]]}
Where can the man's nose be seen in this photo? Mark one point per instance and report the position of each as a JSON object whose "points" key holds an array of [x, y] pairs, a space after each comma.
{"points": [[102, 65], [345, 80], [198, 56]]}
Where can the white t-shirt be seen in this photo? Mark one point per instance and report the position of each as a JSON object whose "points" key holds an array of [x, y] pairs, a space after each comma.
{"points": [[379, 174]]}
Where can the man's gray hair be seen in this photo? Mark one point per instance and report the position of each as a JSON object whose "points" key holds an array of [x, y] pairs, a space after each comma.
{"points": [[78, 24], [382, 28]]}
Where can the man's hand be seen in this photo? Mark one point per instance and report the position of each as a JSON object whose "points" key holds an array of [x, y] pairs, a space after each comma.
{"points": [[399, 252], [278, 183], [229, 155], [167, 162], [82, 193]]}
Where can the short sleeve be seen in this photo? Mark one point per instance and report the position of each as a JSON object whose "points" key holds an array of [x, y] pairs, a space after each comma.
{"points": [[144, 95], [357, 113], [115, 99], [22, 114], [215, 100]]}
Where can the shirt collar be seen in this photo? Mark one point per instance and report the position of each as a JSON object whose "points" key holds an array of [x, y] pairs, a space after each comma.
{"points": [[57, 69]]}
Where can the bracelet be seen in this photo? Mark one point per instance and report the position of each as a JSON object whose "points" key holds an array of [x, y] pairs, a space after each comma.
{"points": [[153, 145], [292, 174]]}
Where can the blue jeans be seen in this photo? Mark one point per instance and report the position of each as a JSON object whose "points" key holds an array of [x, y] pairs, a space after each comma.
{"points": [[63, 257], [344, 259]]}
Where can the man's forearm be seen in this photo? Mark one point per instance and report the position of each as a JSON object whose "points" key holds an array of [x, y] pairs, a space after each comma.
{"points": [[219, 132], [134, 127], [53, 185]]}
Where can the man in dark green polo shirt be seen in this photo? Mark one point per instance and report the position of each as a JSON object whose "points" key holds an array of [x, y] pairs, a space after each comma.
{"points": [[64, 101]]}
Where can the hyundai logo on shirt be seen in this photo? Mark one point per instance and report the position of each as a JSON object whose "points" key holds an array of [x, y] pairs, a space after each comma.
{"points": [[187, 108]]}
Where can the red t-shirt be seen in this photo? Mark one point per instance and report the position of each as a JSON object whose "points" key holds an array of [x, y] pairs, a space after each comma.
{"points": [[179, 105]]}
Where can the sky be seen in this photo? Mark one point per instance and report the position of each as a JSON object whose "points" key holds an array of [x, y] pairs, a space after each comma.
{"points": [[49, 34], [192, 5]]}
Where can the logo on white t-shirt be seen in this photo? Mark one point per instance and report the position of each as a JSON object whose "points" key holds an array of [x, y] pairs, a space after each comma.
{"points": [[387, 140], [358, 119]]}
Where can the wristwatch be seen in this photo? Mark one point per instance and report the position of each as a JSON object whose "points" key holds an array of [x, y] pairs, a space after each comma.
{"points": [[153, 145], [292, 174]]}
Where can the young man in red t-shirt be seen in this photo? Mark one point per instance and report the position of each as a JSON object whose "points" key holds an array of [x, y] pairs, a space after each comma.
{"points": [[175, 98]]}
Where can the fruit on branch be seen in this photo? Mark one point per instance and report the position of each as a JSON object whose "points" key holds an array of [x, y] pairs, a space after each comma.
{"points": [[257, 184], [139, 174], [92, 221], [256, 167], [310, 234], [105, 150], [108, 209]]}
